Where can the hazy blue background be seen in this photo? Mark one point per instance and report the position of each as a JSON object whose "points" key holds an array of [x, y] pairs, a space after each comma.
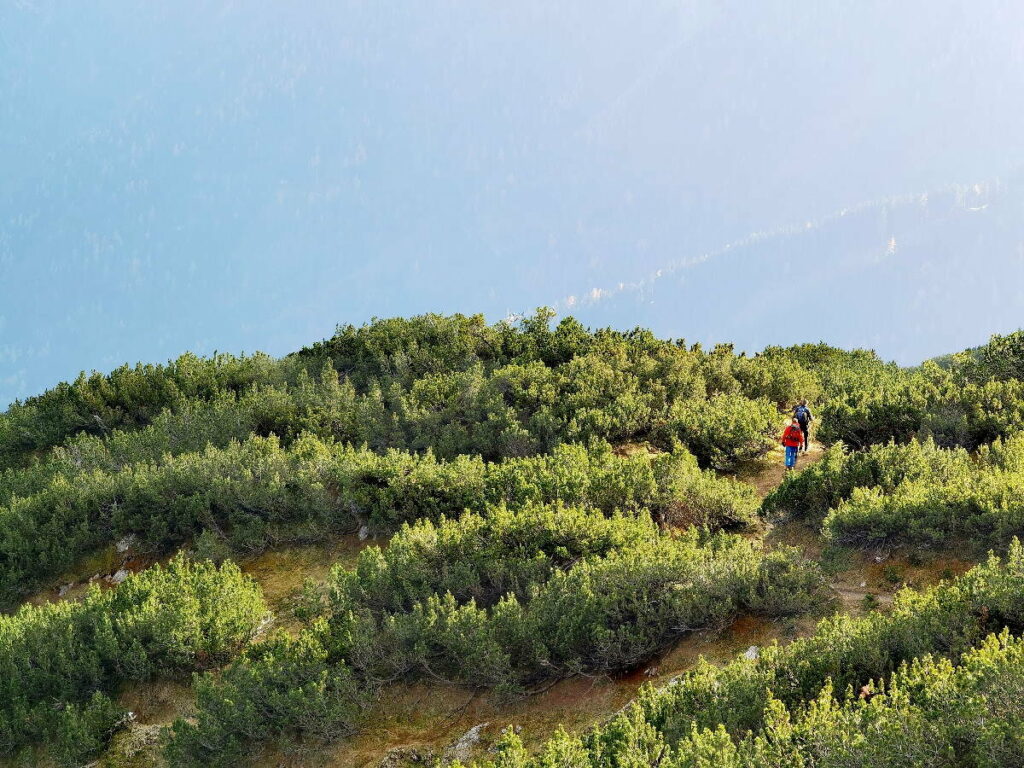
{"points": [[245, 175]]}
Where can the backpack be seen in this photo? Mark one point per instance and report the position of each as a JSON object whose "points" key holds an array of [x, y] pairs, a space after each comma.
{"points": [[803, 415]]}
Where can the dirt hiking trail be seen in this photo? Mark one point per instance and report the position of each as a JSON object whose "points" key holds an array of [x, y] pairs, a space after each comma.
{"points": [[767, 473]]}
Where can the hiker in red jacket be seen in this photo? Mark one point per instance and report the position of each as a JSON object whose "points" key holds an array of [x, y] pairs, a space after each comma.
{"points": [[792, 438]]}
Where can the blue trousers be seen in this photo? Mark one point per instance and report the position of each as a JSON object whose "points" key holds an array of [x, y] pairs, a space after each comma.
{"points": [[791, 455]]}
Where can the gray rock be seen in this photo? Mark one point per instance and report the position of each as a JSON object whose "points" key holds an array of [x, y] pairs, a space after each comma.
{"points": [[752, 653], [118, 577], [126, 543], [133, 740], [403, 757], [463, 748], [64, 589], [364, 533]]}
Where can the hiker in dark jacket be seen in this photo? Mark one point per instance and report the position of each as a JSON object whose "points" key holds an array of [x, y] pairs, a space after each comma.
{"points": [[803, 414], [791, 439]]}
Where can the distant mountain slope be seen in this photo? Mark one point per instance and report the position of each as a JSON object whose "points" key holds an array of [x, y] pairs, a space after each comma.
{"points": [[231, 177], [896, 275]]}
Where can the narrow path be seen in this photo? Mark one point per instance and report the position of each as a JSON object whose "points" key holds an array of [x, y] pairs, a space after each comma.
{"points": [[851, 583], [766, 474]]}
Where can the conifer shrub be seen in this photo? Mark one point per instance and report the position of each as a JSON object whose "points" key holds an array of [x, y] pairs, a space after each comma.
{"points": [[805, 703], [61, 662], [499, 391], [129, 398], [722, 430], [933, 711], [257, 493], [810, 493], [508, 601]]}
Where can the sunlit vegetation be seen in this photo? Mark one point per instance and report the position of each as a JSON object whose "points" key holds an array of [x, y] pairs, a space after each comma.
{"points": [[62, 662], [922, 680], [506, 601], [545, 501]]}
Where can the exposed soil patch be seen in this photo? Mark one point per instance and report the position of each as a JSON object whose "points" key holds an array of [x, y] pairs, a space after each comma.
{"points": [[105, 568], [427, 718], [282, 572]]}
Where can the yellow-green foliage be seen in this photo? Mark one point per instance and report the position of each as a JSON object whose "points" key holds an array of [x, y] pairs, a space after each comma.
{"points": [[507, 600], [256, 493], [59, 662], [801, 704], [527, 549], [915, 494]]}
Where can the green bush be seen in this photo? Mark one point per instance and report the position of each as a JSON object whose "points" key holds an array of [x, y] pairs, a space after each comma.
{"points": [[916, 495], [931, 713], [505, 601], [479, 557], [450, 384], [811, 492], [283, 686], [981, 508], [724, 429], [191, 426], [781, 709], [926, 403], [126, 398], [59, 662], [566, 591], [557, 568], [257, 493]]}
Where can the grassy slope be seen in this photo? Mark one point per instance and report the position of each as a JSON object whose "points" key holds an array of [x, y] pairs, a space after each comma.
{"points": [[427, 719]]}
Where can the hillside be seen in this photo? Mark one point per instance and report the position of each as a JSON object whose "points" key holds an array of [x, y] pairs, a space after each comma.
{"points": [[388, 546]]}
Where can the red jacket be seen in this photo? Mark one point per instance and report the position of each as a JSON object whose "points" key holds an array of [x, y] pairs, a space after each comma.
{"points": [[793, 437]]}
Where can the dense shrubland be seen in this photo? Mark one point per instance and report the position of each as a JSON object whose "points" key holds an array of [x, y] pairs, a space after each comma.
{"points": [[556, 607], [912, 494], [451, 384], [124, 399], [460, 386], [806, 703], [820, 487], [555, 507], [60, 663], [508, 600], [970, 401], [931, 712], [928, 403], [251, 495], [982, 507]]}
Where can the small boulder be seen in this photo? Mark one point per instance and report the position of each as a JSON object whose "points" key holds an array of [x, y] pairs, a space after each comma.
{"points": [[133, 740], [126, 543], [403, 757], [64, 589], [752, 653], [118, 577], [364, 532], [462, 749]]}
